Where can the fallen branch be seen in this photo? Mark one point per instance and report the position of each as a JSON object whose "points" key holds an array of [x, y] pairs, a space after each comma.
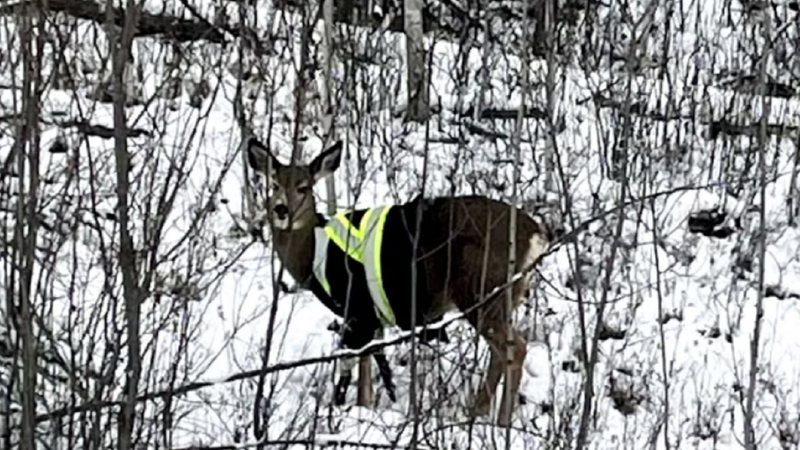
{"points": [[149, 24], [530, 112], [101, 131], [723, 126], [356, 13], [321, 440], [781, 293]]}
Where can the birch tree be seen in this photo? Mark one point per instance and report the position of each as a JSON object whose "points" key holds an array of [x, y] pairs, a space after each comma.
{"points": [[418, 101]]}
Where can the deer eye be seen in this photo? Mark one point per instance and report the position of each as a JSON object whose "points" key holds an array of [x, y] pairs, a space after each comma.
{"points": [[304, 189]]}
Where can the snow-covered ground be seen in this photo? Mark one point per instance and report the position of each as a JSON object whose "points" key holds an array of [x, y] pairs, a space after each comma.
{"points": [[663, 274]]}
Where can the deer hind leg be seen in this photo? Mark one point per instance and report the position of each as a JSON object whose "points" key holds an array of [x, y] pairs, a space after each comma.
{"points": [[483, 397], [516, 350], [508, 351], [507, 348], [507, 356]]}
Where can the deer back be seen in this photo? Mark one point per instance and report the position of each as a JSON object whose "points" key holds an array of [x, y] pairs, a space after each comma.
{"points": [[434, 249]]}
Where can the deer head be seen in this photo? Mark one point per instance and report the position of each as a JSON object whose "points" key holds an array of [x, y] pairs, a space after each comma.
{"points": [[290, 203]]}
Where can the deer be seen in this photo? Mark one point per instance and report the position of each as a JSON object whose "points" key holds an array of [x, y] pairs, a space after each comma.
{"points": [[445, 252]]}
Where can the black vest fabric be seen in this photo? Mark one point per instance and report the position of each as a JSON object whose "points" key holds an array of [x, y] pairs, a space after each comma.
{"points": [[350, 296]]}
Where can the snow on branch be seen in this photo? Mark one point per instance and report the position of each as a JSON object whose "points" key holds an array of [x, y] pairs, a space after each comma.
{"points": [[319, 440], [148, 24]]}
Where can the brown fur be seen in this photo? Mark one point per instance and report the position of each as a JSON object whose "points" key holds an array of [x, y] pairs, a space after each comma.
{"points": [[478, 260]]}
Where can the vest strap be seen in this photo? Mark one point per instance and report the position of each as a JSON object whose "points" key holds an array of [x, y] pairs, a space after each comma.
{"points": [[372, 264], [363, 244], [321, 258]]}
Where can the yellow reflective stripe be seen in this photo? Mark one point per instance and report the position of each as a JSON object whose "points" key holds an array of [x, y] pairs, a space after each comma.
{"points": [[338, 240], [326, 286], [364, 245], [321, 259], [365, 226], [383, 303], [349, 238], [358, 234]]}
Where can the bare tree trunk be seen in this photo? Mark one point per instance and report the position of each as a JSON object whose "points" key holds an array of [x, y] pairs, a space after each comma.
{"points": [[243, 121], [413, 399], [656, 233], [794, 189], [516, 141], [418, 103], [550, 88], [365, 392], [5, 411], [327, 95], [120, 51], [749, 413], [302, 80], [26, 211]]}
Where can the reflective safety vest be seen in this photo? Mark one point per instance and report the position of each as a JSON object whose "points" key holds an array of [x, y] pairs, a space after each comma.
{"points": [[363, 244]]}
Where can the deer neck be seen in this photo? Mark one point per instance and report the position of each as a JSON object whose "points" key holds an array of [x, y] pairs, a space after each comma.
{"points": [[296, 251]]}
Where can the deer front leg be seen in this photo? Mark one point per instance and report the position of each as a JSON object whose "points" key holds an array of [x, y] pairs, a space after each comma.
{"points": [[345, 377], [355, 335], [345, 371], [386, 374]]}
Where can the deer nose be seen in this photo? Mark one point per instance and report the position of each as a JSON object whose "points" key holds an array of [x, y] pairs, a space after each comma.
{"points": [[281, 211]]}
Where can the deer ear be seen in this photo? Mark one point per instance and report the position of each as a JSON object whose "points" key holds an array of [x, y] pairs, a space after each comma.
{"points": [[260, 157], [327, 161]]}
